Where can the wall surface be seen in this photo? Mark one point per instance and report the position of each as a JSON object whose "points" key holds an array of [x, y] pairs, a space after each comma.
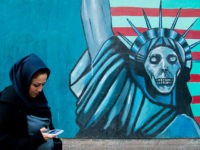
{"points": [[139, 77], [53, 30]]}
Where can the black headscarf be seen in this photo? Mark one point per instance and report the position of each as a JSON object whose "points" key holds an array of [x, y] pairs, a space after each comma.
{"points": [[21, 75]]}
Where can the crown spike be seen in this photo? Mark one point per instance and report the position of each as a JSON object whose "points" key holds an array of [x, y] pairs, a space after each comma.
{"points": [[146, 19], [160, 15], [176, 19], [134, 27], [125, 38], [186, 32], [194, 44]]}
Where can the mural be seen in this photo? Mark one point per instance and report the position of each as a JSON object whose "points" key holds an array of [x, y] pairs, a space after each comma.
{"points": [[101, 83], [133, 88]]}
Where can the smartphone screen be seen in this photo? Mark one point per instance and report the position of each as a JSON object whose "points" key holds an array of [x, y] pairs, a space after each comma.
{"points": [[56, 131]]}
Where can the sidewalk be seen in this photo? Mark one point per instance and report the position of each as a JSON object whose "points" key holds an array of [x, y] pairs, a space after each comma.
{"points": [[148, 144]]}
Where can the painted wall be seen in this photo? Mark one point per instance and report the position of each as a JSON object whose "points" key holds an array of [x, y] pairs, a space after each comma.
{"points": [[53, 30], [137, 89]]}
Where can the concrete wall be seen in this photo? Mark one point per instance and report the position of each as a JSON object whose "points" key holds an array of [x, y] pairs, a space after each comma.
{"points": [[90, 144]]}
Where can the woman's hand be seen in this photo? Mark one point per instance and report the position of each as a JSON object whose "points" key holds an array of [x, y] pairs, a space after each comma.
{"points": [[46, 135]]}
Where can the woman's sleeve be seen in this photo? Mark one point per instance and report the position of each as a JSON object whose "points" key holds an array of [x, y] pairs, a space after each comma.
{"points": [[11, 137], [30, 142], [5, 125]]}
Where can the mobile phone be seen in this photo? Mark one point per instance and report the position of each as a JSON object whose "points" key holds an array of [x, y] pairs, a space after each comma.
{"points": [[56, 131]]}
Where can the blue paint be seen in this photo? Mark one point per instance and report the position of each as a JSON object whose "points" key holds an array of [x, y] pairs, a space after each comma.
{"points": [[50, 29]]}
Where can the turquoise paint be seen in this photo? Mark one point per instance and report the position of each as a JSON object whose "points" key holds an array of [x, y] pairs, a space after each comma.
{"points": [[155, 3], [195, 67], [167, 22], [194, 88], [52, 29], [195, 109]]}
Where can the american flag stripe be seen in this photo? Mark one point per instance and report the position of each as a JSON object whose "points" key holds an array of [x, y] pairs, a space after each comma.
{"points": [[197, 119], [121, 21], [195, 78], [136, 3], [196, 99], [132, 9], [194, 88], [128, 31], [195, 109], [189, 41], [195, 68], [136, 11], [196, 55], [155, 3]]}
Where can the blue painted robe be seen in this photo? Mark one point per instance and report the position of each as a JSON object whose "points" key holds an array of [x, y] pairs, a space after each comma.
{"points": [[114, 102]]}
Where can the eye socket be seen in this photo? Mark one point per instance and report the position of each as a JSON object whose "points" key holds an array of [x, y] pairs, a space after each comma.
{"points": [[155, 59], [172, 59]]}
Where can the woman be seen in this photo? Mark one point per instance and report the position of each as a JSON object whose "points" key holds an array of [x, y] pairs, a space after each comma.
{"points": [[25, 116]]}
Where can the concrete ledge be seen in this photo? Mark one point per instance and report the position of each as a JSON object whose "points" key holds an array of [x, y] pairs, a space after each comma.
{"points": [[147, 144]]}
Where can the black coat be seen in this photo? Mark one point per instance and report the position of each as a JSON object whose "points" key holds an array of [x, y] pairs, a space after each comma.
{"points": [[13, 124]]}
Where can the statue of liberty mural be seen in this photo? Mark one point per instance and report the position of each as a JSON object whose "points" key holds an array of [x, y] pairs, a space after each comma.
{"points": [[136, 92]]}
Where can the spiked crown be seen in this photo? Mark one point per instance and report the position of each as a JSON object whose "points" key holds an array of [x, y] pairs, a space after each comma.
{"points": [[153, 37]]}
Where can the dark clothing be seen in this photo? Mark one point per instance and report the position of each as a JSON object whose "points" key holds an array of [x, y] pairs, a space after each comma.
{"points": [[13, 124], [16, 105]]}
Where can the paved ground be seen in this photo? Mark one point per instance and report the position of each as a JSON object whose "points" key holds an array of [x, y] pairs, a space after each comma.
{"points": [[176, 144]]}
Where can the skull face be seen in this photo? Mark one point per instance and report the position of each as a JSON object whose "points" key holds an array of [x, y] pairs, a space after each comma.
{"points": [[163, 67]]}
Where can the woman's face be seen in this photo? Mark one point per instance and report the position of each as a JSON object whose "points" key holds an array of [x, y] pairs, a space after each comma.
{"points": [[37, 84]]}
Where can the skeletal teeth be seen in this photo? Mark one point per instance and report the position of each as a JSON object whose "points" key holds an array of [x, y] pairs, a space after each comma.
{"points": [[164, 81]]}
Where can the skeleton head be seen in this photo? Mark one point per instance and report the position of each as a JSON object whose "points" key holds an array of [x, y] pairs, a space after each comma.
{"points": [[163, 67]]}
